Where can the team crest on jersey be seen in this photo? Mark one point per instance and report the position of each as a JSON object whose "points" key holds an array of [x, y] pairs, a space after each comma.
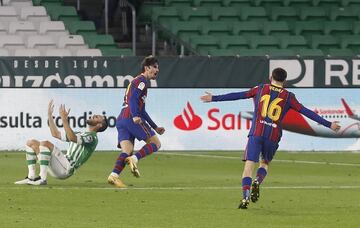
{"points": [[141, 86]]}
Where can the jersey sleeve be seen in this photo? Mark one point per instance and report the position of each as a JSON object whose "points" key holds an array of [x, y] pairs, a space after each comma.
{"points": [[84, 138], [294, 103], [148, 119], [236, 96], [134, 98], [315, 117]]}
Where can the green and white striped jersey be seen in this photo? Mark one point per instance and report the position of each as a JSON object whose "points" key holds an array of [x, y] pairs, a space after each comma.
{"points": [[78, 153]]}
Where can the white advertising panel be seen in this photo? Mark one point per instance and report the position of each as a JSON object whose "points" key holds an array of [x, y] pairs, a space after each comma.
{"points": [[189, 123]]}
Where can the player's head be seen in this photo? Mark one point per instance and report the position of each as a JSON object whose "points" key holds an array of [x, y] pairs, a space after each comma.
{"points": [[279, 75], [150, 67], [98, 123]]}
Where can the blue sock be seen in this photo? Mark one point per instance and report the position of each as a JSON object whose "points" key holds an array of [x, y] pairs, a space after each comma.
{"points": [[120, 163], [246, 183], [147, 149], [261, 174]]}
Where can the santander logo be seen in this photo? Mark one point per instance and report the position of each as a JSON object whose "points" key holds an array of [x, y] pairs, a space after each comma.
{"points": [[188, 121]]}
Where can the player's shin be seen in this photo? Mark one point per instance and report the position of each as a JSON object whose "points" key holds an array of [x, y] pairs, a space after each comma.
{"points": [[120, 164], [146, 150], [45, 156], [246, 184], [261, 174], [31, 161]]}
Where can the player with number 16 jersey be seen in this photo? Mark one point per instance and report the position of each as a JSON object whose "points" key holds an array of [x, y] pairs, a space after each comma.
{"points": [[271, 103]]}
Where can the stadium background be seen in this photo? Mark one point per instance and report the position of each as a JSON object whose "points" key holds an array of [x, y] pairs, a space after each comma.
{"points": [[215, 45], [218, 45]]}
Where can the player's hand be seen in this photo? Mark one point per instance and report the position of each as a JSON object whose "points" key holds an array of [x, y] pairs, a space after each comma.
{"points": [[137, 120], [335, 126], [207, 97], [63, 112], [160, 130], [51, 108]]}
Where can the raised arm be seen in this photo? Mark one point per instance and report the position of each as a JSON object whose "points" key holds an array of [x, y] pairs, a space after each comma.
{"points": [[53, 129], [64, 117]]}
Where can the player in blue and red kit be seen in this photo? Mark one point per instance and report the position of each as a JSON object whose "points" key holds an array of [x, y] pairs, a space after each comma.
{"points": [[271, 103], [133, 122]]}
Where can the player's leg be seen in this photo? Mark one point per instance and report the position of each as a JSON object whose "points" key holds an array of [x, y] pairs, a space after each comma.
{"points": [[267, 154], [251, 156], [143, 132], [260, 175], [126, 143], [127, 147], [152, 145], [31, 150], [44, 157]]}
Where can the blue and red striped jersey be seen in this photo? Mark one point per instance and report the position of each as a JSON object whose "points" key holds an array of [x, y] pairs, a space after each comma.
{"points": [[134, 100], [271, 103]]}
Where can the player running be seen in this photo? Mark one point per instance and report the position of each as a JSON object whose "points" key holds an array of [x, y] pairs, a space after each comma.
{"points": [[133, 122], [271, 102], [62, 165]]}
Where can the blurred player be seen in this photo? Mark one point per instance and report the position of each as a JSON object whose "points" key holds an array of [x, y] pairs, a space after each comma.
{"points": [[133, 122], [271, 102], [62, 165]]}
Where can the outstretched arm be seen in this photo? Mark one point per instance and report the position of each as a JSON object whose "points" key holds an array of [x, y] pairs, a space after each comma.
{"points": [[315, 117], [208, 97], [64, 117], [53, 129], [294, 104]]}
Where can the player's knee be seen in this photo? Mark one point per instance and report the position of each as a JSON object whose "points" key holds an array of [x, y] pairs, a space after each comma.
{"points": [[32, 143], [46, 144]]}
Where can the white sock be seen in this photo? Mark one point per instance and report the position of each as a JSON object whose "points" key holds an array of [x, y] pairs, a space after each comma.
{"points": [[114, 174], [135, 158], [45, 156], [31, 161]]}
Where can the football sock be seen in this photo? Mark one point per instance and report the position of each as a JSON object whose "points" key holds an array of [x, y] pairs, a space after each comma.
{"points": [[31, 161], [45, 156], [261, 174], [147, 149], [119, 164], [246, 183]]}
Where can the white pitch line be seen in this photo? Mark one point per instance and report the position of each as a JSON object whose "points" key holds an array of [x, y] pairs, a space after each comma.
{"points": [[275, 160], [176, 188]]}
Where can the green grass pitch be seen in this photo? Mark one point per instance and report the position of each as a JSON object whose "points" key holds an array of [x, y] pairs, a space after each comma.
{"points": [[187, 189]]}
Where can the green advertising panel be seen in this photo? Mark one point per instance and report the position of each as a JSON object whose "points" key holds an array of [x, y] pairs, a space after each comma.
{"points": [[176, 72]]}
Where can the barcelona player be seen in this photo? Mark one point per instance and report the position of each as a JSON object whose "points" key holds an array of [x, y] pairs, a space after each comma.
{"points": [[133, 122], [271, 101]]}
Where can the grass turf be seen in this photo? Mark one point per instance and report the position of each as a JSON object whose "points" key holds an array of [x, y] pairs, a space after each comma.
{"points": [[178, 190]]}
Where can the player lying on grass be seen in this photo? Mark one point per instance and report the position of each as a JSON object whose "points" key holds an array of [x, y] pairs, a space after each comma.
{"points": [[62, 165], [271, 103]]}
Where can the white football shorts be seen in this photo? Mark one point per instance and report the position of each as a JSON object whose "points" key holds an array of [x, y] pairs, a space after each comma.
{"points": [[59, 166]]}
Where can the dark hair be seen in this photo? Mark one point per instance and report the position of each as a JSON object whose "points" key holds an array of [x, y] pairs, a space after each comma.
{"points": [[148, 61], [104, 125], [279, 74]]}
